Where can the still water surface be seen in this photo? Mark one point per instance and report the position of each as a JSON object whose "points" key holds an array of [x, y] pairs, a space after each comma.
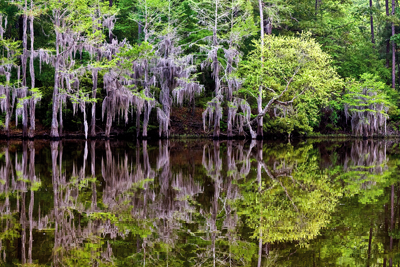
{"points": [[199, 203]]}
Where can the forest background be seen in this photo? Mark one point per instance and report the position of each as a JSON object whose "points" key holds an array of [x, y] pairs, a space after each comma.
{"points": [[221, 68]]}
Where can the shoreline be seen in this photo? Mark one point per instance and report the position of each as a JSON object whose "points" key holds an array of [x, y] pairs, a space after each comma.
{"points": [[117, 136]]}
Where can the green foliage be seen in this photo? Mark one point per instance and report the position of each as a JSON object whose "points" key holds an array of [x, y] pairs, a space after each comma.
{"points": [[294, 69], [366, 103], [290, 208]]}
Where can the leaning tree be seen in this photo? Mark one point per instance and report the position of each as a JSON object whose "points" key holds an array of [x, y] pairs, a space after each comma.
{"points": [[295, 73]]}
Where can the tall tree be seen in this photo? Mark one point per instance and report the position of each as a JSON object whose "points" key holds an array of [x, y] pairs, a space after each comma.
{"points": [[241, 26], [273, 18], [223, 22], [174, 74], [393, 49], [73, 25], [10, 52], [371, 22]]}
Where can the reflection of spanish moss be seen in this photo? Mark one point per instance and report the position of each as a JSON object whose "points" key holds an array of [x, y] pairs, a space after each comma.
{"points": [[21, 180], [366, 157], [121, 176], [226, 192], [70, 234]]}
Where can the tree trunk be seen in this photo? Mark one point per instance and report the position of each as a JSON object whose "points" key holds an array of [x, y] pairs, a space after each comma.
{"points": [[393, 51], [108, 124], [24, 59], [217, 116], [259, 158], [94, 92], [137, 122], [60, 129], [147, 111], [387, 7], [217, 127], [32, 104], [8, 112], [54, 122], [391, 222], [23, 230], [259, 100], [372, 23], [140, 31], [32, 176], [369, 245], [230, 119]]}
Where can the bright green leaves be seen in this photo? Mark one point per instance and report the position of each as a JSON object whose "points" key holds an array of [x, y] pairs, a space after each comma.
{"points": [[296, 198], [295, 71]]}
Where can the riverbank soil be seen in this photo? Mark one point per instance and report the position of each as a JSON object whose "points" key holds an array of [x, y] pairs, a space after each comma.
{"points": [[184, 122]]}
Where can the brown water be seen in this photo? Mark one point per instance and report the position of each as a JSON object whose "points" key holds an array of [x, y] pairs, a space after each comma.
{"points": [[199, 203]]}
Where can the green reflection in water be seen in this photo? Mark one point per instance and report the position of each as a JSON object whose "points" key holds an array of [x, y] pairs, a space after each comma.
{"points": [[203, 203]]}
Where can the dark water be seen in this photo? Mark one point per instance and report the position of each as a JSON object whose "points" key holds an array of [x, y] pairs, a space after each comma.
{"points": [[199, 203]]}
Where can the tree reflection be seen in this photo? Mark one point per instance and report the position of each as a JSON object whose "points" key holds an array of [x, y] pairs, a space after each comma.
{"points": [[293, 202], [176, 203]]}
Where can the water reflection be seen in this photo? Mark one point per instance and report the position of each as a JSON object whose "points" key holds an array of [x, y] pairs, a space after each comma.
{"points": [[203, 203]]}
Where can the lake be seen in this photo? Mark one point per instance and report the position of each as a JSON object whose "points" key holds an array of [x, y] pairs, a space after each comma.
{"points": [[199, 203]]}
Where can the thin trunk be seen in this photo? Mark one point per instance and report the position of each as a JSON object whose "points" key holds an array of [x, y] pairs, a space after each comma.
{"points": [[111, 36], [32, 104], [393, 50], [147, 111], [137, 122], [388, 41], [259, 100], [230, 122], [60, 129], [259, 179], [369, 245], [31, 227], [8, 112], [23, 231], [108, 125], [391, 223], [140, 31], [217, 117], [147, 104], [54, 122], [387, 7], [94, 92], [24, 59], [372, 23], [217, 126], [32, 177], [260, 250], [55, 182]]}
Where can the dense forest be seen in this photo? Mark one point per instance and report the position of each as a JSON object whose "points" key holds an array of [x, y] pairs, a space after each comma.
{"points": [[221, 68]]}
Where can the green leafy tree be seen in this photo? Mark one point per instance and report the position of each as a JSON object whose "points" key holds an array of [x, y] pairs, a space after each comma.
{"points": [[295, 73]]}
